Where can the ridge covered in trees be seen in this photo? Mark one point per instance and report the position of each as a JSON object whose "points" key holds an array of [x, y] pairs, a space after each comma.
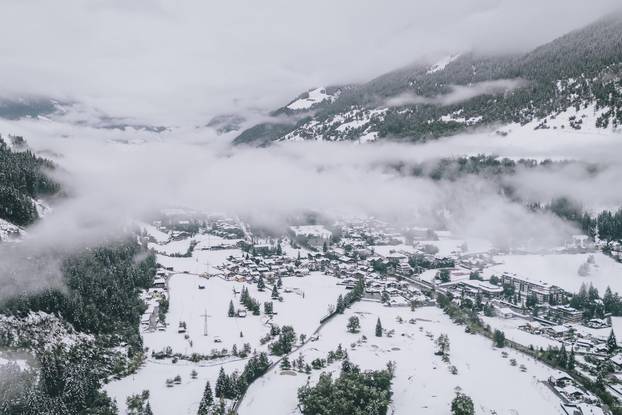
{"points": [[100, 297], [576, 70], [23, 178]]}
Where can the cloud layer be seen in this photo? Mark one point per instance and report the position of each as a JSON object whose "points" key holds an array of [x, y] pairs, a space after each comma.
{"points": [[167, 62]]}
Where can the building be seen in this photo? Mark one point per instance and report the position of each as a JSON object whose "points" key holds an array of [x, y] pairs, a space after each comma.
{"points": [[484, 288], [566, 313], [544, 292], [312, 235]]}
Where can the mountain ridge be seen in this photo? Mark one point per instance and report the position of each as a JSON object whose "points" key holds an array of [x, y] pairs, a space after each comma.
{"points": [[579, 69]]}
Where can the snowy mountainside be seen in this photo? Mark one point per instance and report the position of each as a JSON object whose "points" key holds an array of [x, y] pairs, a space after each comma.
{"points": [[578, 72], [8, 230]]}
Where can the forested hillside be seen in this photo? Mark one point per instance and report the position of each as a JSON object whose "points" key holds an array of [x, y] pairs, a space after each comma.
{"points": [[23, 178], [580, 70], [73, 330]]}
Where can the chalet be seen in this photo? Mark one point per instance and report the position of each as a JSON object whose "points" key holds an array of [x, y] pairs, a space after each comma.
{"points": [[558, 331], [560, 379], [159, 282], [597, 323], [505, 313]]}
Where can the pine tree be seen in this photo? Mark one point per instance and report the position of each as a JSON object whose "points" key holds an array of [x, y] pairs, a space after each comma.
{"points": [[353, 324], [206, 401], [279, 282], [462, 405], [571, 361], [261, 285], [275, 291], [340, 305], [612, 344], [563, 357], [231, 312], [221, 409], [285, 364], [378, 328], [148, 410], [221, 384]]}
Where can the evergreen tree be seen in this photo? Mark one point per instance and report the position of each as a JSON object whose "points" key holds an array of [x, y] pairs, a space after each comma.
{"points": [[279, 282], [353, 324], [285, 364], [260, 284], [378, 328], [571, 361], [499, 338], [231, 312], [612, 344], [221, 384], [462, 405], [563, 357], [340, 305], [275, 291], [148, 410]]}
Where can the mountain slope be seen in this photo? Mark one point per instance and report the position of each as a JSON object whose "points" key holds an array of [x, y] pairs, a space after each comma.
{"points": [[580, 70], [22, 179]]}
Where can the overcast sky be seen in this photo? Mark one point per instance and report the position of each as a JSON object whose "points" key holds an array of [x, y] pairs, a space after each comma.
{"points": [[179, 62]]}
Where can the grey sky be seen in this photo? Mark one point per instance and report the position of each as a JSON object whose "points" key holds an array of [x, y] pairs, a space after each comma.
{"points": [[179, 62]]}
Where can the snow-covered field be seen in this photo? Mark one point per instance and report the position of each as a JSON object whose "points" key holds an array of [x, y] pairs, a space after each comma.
{"points": [[512, 332], [305, 302], [561, 270], [189, 303], [423, 383], [315, 96]]}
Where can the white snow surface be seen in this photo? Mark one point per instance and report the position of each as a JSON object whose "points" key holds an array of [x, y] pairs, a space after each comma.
{"points": [[423, 383], [303, 306], [561, 270], [315, 96], [441, 64]]}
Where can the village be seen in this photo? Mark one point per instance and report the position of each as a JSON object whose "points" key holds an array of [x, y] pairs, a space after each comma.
{"points": [[403, 270]]}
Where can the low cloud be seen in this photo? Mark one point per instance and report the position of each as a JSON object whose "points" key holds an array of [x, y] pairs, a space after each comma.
{"points": [[459, 93], [114, 177]]}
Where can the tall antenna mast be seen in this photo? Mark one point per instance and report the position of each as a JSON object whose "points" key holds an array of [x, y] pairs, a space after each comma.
{"points": [[204, 315]]}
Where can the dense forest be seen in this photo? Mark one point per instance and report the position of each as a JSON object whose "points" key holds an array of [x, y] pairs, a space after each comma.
{"points": [[580, 70], [22, 178], [100, 297]]}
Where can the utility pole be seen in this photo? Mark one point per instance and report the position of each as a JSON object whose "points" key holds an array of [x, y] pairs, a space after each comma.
{"points": [[204, 315]]}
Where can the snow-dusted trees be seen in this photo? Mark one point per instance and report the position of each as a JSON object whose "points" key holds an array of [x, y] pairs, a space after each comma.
{"points": [[612, 344], [462, 405], [353, 324], [442, 344], [285, 364], [343, 394], [378, 328], [207, 400], [275, 292], [499, 338], [285, 342]]}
